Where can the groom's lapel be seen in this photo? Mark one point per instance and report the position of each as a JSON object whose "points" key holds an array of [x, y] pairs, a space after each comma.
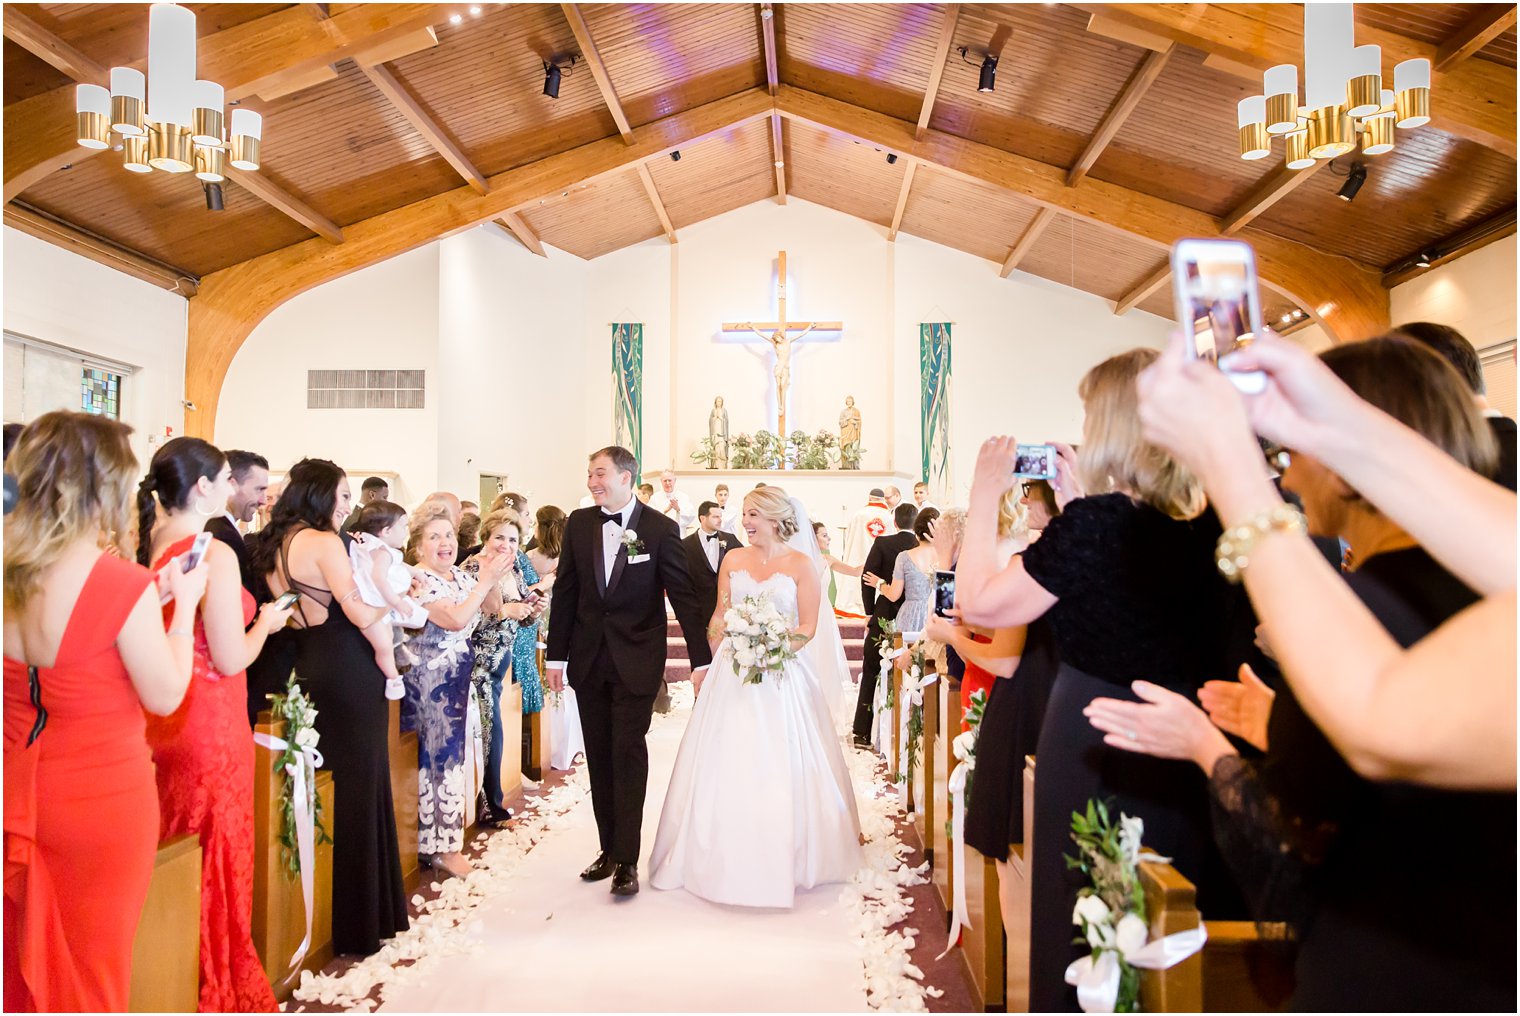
{"points": [[621, 560], [596, 557]]}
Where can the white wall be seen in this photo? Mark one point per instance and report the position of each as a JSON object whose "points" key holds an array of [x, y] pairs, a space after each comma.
{"points": [[1475, 294], [68, 300]]}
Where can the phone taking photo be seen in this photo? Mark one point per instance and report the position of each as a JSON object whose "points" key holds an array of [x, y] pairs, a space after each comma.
{"points": [[1218, 302], [197, 551], [1035, 462], [286, 599], [944, 592]]}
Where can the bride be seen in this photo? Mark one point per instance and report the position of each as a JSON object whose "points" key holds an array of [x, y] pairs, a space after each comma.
{"points": [[760, 801]]}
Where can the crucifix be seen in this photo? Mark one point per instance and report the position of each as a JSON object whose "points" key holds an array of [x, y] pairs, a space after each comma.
{"points": [[778, 334]]}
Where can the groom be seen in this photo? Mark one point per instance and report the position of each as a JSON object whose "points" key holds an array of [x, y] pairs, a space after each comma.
{"points": [[618, 562]]}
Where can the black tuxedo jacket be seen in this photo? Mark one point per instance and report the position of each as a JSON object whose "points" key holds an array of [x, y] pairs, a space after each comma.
{"points": [[1504, 433], [704, 580], [221, 529], [627, 616], [880, 562]]}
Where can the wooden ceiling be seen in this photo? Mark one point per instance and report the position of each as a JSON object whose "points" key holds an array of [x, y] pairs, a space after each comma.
{"points": [[373, 108]]}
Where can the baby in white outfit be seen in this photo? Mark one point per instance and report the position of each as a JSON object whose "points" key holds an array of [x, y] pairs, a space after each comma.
{"points": [[383, 580]]}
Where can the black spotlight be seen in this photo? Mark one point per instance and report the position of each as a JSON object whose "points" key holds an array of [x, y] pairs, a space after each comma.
{"points": [[1354, 181], [675, 156], [891, 159], [987, 80], [1424, 259], [551, 80], [213, 196]]}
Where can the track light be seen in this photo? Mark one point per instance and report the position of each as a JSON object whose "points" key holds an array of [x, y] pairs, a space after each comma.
{"points": [[987, 80], [1424, 259], [1354, 181], [213, 197], [551, 80], [675, 156], [891, 159]]}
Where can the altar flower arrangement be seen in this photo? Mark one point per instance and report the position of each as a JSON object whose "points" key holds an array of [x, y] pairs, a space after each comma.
{"points": [[760, 637]]}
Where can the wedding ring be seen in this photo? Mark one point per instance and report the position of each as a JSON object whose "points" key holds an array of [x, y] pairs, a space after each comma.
{"points": [[1132, 736]]}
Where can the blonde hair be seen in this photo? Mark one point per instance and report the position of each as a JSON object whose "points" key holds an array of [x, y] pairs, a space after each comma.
{"points": [[74, 476], [428, 512], [1115, 456], [1013, 517], [498, 518], [773, 504]]}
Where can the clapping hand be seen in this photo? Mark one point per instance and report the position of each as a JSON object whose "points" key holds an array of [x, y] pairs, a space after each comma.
{"points": [[945, 541], [1240, 707], [1163, 724]]}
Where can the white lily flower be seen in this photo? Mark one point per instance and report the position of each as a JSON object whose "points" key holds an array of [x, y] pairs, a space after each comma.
{"points": [[1131, 935]]}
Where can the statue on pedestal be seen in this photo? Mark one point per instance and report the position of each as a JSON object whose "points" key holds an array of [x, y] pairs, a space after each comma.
{"points": [[717, 435], [849, 435]]}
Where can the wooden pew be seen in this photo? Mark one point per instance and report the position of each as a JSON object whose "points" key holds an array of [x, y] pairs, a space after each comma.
{"points": [[166, 953], [982, 945], [511, 746], [928, 773], [1016, 932], [947, 715], [535, 732], [403, 759], [279, 909]]}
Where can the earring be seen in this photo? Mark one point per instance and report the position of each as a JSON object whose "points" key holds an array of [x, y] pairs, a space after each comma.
{"points": [[204, 513]]}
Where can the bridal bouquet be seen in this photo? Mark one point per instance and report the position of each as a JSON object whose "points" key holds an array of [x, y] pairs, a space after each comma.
{"points": [[760, 636]]}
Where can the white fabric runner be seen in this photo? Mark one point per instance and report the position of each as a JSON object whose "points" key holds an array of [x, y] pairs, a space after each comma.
{"points": [[303, 787]]}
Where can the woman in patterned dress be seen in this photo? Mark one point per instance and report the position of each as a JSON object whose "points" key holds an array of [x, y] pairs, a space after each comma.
{"points": [[438, 685]]}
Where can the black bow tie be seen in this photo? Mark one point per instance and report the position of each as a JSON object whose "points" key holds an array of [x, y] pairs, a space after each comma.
{"points": [[610, 517], [711, 536]]}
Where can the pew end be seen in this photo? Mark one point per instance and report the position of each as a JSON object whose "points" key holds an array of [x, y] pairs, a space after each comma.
{"points": [[166, 952]]}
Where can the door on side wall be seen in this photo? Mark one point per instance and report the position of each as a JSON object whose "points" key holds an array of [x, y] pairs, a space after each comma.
{"points": [[491, 484]]}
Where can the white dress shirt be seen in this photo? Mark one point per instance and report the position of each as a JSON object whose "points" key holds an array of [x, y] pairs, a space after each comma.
{"points": [[612, 537], [710, 546]]}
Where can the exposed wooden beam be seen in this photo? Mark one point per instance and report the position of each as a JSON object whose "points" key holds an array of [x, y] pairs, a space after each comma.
{"points": [[407, 105], [1308, 277], [1152, 282], [654, 199], [768, 42], [290, 84], [1100, 24], [97, 248], [234, 300], [941, 53], [593, 60], [1490, 21], [778, 158], [246, 59], [270, 193], [1134, 90], [1279, 184], [50, 49], [1037, 226], [1449, 248], [514, 224], [902, 200], [394, 48], [1474, 99]]}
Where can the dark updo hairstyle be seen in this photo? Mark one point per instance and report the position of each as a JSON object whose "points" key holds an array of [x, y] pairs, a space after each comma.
{"points": [[172, 478], [308, 502], [377, 516], [922, 521]]}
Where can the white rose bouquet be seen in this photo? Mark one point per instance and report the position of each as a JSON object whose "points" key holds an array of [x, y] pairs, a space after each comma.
{"points": [[759, 636]]}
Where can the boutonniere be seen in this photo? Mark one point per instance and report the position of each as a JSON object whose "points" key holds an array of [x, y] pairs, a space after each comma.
{"points": [[631, 543]]}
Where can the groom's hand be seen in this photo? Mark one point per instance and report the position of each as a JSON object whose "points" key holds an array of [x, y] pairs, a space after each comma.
{"points": [[697, 677], [555, 672]]}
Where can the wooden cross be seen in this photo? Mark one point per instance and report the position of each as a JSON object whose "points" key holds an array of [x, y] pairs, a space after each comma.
{"points": [[778, 334]]}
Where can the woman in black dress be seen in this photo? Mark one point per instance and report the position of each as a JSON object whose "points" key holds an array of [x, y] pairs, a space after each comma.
{"points": [[1316, 844], [302, 551], [1126, 577]]}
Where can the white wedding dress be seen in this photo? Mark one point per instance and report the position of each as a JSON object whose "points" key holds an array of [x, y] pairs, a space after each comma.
{"points": [[760, 802]]}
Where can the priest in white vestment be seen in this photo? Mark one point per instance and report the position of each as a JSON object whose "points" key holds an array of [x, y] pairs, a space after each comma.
{"points": [[874, 520], [676, 505]]}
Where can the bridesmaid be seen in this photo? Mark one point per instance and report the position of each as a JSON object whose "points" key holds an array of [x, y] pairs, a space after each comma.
{"points": [[203, 753], [85, 654]]}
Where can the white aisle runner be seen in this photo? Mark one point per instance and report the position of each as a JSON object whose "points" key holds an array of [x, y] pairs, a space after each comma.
{"points": [[549, 942]]}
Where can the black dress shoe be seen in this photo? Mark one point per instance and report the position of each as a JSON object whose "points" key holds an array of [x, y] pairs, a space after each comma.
{"points": [[600, 868], [625, 880]]}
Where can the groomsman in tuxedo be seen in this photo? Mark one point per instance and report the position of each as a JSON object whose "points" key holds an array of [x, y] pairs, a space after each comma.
{"points": [[880, 561], [704, 554], [250, 481]]}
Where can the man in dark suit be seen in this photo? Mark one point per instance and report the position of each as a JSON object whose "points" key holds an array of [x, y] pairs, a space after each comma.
{"points": [[1457, 351], [880, 561], [374, 488], [619, 561], [250, 481], [704, 554]]}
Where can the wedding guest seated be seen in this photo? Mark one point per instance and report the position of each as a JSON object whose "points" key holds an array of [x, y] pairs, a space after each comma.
{"points": [[250, 483], [86, 655], [1306, 835]]}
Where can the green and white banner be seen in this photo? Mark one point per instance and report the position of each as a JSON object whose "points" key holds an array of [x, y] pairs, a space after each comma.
{"points": [[628, 388], [934, 377]]}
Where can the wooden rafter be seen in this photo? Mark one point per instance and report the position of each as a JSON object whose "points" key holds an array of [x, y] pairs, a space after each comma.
{"points": [[778, 157], [1134, 90], [50, 49], [514, 224], [1449, 248], [941, 53], [1475, 99], [276, 197], [593, 60], [407, 105], [1491, 21], [70, 237], [902, 200], [1037, 226], [654, 199], [767, 15], [1152, 282], [1277, 185]]}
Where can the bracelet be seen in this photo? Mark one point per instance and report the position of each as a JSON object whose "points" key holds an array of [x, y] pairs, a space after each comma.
{"points": [[1233, 552], [182, 634]]}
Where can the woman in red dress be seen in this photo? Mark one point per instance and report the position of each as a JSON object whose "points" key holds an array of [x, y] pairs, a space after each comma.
{"points": [[85, 654], [203, 752]]}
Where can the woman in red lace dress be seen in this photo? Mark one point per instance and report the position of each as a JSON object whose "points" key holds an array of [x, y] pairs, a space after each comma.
{"points": [[85, 654], [203, 752]]}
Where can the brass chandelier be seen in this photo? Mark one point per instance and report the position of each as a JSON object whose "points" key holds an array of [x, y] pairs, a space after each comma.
{"points": [[166, 119], [1344, 97]]}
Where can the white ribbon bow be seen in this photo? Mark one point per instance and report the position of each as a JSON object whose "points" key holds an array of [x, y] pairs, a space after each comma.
{"points": [[912, 695], [960, 915], [303, 787], [1097, 982]]}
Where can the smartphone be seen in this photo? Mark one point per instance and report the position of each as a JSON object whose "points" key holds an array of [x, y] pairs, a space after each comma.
{"points": [[1218, 302], [1035, 462], [944, 592], [197, 550], [286, 599]]}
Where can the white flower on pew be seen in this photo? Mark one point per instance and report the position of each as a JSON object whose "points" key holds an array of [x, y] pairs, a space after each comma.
{"points": [[1131, 935]]}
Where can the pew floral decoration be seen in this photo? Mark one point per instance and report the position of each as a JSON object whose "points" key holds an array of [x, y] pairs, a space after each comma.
{"points": [[916, 678], [959, 787], [297, 751]]}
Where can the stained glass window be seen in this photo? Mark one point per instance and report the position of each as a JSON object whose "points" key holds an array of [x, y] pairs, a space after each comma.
{"points": [[100, 393]]}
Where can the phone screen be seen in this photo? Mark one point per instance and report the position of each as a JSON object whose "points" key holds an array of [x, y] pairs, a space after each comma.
{"points": [[944, 592], [1218, 300], [286, 599], [197, 551], [1035, 462]]}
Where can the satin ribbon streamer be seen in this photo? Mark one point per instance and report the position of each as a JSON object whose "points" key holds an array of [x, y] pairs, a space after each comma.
{"points": [[303, 786], [1097, 983], [912, 695], [474, 757], [960, 916]]}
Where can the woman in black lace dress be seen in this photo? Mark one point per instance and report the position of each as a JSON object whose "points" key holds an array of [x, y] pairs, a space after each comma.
{"points": [[1403, 897]]}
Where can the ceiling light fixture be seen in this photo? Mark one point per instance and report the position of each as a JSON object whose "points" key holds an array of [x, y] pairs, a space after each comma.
{"points": [[675, 156], [986, 79], [891, 159], [1344, 101], [455, 19], [1424, 259], [1354, 181], [166, 119], [553, 71], [213, 197]]}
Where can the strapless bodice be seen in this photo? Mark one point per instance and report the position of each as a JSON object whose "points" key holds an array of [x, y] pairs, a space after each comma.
{"points": [[780, 588]]}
